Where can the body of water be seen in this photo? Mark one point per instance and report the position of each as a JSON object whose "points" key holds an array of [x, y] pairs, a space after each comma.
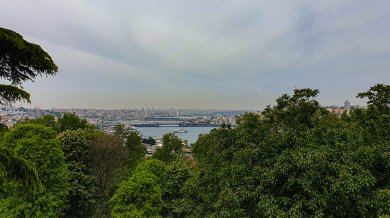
{"points": [[191, 136]]}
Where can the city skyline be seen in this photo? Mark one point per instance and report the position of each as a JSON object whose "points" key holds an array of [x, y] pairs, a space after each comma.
{"points": [[202, 54]]}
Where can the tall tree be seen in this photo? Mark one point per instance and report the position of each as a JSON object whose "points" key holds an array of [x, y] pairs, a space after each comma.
{"points": [[136, 151], [39, 145], [175, 176], [375, 122], [108, 156], [76, 146], [20, 61]]}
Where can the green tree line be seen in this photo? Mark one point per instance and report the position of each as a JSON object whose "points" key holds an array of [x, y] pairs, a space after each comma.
{"points": [[294, 159]]}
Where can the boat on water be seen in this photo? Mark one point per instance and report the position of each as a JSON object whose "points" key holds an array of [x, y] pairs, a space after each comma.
{"points": [[181, 130]]}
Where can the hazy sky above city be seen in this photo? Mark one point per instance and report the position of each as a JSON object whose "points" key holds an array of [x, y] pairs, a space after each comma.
{"points": [[202, 53]]}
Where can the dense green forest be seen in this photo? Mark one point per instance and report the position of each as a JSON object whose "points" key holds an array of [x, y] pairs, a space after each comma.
{"points": [[294, 159]]}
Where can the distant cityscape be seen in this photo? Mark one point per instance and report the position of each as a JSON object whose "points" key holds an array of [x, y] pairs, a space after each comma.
{"points": [[342, 109], [144, 117]]}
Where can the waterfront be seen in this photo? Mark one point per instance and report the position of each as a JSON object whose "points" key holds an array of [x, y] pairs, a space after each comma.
{"points": [[191, 136]]}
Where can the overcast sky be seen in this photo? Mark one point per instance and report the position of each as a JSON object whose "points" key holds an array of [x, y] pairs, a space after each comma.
{"points": [[225, 54]]}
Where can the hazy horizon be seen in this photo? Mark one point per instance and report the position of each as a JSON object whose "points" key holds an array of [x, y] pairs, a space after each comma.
{"points": [[202, 54]]}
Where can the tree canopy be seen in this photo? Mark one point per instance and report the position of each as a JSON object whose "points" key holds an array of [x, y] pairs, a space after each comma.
{"points": [[39, 145], [295, 159], [17, 168], [141, 195], [82, 195], [20, 61], [70, 121], [172, 149]]}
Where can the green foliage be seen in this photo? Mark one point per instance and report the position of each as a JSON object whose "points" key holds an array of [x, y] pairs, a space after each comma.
{"points": [[133, 139], [171, 150], [299, 111], [135, 150], [326, 176], [39, 145], [175, 176], [76, 146], [294, 160], [13, 167], [108, 157], [378, 98], [11, 94], [141, 195], [156, 167], [149, 141], [376, 119], [71, 121], [3, 128], [154, 189], [46, 120], [138, 197], [20, 61], [67, 121], [121, 131], [375, 122]]}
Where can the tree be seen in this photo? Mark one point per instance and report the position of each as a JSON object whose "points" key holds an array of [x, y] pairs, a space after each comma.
{"points": [[299, 111], [378, 98], [20, 61], [376, 119], [133, 139], [47, 120], [39, 145], [67, 121], [149, 141], [141, 194], [13, 167], [70, 121], [156, 167], [136, 150], [172, 148], [135, 153], [175, 176], [108, 157], [139, 197], [76, 145], [375, 122], [294, 160], [121, 131]]}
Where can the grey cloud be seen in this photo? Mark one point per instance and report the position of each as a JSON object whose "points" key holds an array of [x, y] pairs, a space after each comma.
{"points": [[182, 49]]}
